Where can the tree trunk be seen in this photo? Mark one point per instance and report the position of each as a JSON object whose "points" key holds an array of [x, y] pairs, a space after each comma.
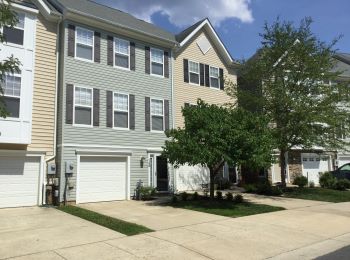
{"points": [[211, 184], [283, 167]]}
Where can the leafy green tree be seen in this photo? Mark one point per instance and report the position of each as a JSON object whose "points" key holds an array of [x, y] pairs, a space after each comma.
{"points": [[8, 17], [214, 135], [292, 81]]}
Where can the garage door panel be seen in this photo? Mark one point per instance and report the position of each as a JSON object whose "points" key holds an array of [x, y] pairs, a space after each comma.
{"points": [[19, 181], [191, 177], [102, 179]]}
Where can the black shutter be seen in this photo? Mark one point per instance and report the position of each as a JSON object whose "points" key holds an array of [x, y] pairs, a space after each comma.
{"points": [[201, 74], [186, 70], [110, 51], [71, 40], [166, 64], [222, 82], [132, 56], [166, 115], [147, 60], [109, 108], [187, 105], [147, 114], [132, 111], [207, 75], [69, 103], [96, 110], [97, 47]]}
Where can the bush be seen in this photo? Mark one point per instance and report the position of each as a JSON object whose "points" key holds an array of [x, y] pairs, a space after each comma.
{"points": [[264, 188], [146, 193], [222, 183], [250, 188], [342, 184], [276, 191], [219, 195], [229, 196], [174, 199], [238, 198], [327, 180], [195, 196], [184, 196], [311, 184], [301, 181]]}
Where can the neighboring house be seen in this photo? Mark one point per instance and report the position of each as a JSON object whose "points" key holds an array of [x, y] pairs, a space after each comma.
{"points": [[202, 64], [115, 102], [27, 135], [313, 162]]}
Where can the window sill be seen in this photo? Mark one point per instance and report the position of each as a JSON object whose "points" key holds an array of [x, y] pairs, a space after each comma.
{"points": [[122, 129], [86, 60], [158, 76], [83, 126], [122, 68], [157, 132], [11, 119], [14, 45], [194, 84]]}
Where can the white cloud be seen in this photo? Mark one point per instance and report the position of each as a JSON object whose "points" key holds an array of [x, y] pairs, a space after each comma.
{"points": [[183, 13]]}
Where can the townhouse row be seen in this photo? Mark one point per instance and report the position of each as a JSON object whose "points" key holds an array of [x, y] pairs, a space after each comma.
{"points": [[96, 92]]}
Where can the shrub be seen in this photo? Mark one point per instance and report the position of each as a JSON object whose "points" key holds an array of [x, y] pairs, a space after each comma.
{"points": [[327, 180], [238, 198], [264, 188], [174, 199], [219, 195], [301, 181], [146, 193], [342, 184], [222, 183], [276, 191], [250, 188], [195, 196], [184, 196], [229, 196]]}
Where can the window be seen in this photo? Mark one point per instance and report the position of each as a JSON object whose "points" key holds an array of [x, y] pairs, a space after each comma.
{"points": [[121, 53], [84, 44], [82, 106], [304, 159], [157, 62], [157, 115], [16, 34], [214, 77], [193, 68], [12, 94], [121, 110]]}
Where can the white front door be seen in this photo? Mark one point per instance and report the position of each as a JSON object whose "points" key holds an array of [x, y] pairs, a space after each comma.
{"points": [[313, 165], [19, 181], [101, 179]]}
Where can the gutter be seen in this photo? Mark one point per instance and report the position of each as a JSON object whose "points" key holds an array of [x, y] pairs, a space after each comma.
{"points": [[173, 110]]}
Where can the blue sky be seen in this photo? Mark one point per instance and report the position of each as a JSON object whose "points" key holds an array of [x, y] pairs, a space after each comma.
{"points": [[239, 22]]}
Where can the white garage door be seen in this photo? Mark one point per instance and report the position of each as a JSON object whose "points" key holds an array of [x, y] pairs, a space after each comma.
{"points": [[191, 177], [19, 181], [101, 179], [313, 165]]}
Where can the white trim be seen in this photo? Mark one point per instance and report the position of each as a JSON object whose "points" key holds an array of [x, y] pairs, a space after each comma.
{"points": [[150, 60], [219, 87], [24, 8], [111, 146], [189, 73], [157, 131], [128, 178], [114, 110], [213, 32], [77, 188], [42, 193], [86, 106], [103, 152], [115, 52], [76, 43]]}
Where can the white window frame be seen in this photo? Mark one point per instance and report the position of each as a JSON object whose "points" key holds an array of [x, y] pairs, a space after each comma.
{"points": [[76, 44], [92, 107], [114, 110], [218, 88], [157, 131], [150, 60], [189, 73], [115, 52], [19, 28], [12, 96]]}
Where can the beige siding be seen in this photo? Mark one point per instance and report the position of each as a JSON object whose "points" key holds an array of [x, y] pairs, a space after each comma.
{"points": [[187, 93], [44, 87]]}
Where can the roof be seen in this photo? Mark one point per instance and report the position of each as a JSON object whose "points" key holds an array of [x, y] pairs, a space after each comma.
{"points": [[112, 16], [342, 64], [186, 35]]}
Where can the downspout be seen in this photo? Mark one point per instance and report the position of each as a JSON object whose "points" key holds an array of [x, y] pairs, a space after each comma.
{"points": [[173, 111]]}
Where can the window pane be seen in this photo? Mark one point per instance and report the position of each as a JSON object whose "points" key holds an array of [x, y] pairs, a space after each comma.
{"points": [[122, 46], [121, 61], [12, 86], [14, 35], [157, 68], [121, 119], [84, 52], [157, 107], [85, 37], [214, 82], [214, 72], [83, 96], [83, 115], [194, 67], [20, 23], [157, 123], [194, 78], [157, 56], [121, 102], [12, 106]]}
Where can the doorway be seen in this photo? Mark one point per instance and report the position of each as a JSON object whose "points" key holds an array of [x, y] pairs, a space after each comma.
{"points": [[159, 177]]}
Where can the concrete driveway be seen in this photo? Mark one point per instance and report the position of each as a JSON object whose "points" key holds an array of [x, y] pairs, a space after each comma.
{"points": [[300, 233]]}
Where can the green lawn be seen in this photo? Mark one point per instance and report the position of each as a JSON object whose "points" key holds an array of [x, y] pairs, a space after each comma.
{"points": [[317, 194], [225, 208], [118, 225]]}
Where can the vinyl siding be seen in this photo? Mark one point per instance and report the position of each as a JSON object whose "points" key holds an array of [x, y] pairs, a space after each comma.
{"points": [[188, 93], [44, 87]]}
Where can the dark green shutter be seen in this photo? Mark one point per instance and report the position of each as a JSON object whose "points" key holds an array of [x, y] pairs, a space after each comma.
{"points": [[69, 103], [71, 40]]}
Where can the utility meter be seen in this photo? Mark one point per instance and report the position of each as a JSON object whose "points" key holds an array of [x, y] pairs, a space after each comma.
{"points": [[51, 169], [69, 167]]}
